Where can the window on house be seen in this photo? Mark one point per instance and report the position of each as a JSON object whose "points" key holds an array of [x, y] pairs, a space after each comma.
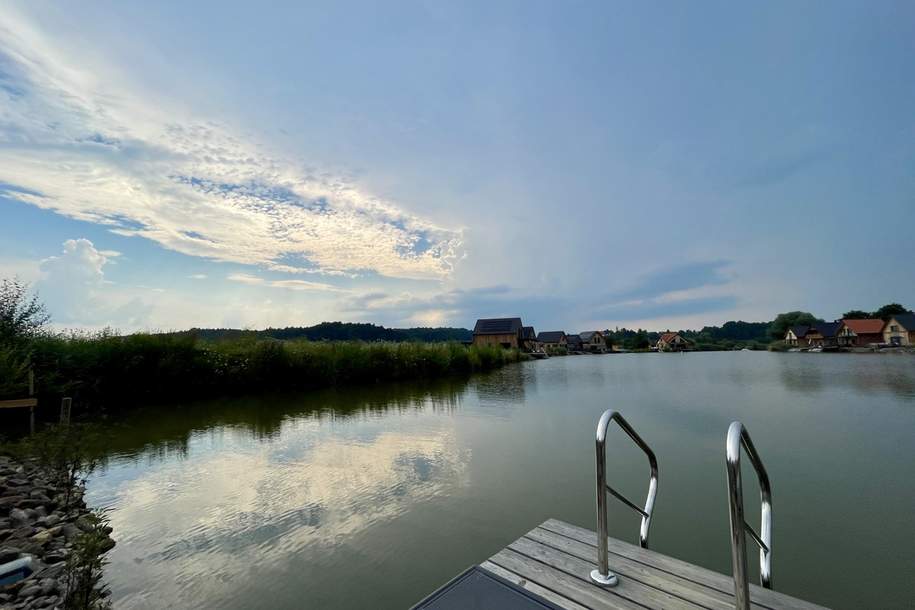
{"points": [[894, 328]]}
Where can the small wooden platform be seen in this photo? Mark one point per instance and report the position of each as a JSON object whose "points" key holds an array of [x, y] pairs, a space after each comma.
{"points": [[19, 403], [555, 560]]}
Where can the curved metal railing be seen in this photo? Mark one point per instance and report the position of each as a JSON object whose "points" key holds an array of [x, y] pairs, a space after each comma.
{"points": [[737, 437], [603, 575]]}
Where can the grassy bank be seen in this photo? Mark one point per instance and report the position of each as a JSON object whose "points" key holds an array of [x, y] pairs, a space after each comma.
{"points": [[106, 369]]}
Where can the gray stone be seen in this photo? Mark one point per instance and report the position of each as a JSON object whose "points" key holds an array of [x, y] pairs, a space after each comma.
{"points": [[71, 532], [48, 521], [30, 591], [19, 518], [85, 523], [55, 557], [9, 502], [9, 553], [4, 534], [48, 586]]}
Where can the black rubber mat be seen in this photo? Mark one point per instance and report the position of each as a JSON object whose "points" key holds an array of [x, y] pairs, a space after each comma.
{"points": [[479, 589]]}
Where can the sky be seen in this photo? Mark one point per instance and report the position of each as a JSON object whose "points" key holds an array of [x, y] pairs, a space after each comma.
{"points": [[582, 165]]}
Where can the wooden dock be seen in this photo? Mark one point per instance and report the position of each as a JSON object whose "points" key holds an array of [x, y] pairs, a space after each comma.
{"points": [[554, 561]]}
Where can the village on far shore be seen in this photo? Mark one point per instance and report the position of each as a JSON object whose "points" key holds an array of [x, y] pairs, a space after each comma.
{"points": [[511, 333], [898, 331], [857, 335]]}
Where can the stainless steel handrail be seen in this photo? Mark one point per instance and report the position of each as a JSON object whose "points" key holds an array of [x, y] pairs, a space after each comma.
{"points": [[603, 576], [737, 437]]}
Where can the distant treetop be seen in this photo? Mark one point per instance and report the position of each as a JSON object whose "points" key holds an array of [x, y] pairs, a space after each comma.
{"points": [[889, 310], [856, 314]]}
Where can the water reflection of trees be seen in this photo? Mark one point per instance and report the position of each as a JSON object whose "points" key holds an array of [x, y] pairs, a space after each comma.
{"points": [[867, 374], [160, 431], [506, 385]]}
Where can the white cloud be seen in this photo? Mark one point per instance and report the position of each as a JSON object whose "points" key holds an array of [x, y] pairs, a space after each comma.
{"points": [[198, 276], [71, 141], [74, 287], [253, 280], [246, 278]]}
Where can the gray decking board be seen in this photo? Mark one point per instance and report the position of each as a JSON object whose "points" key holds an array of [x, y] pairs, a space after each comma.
{"points": [[554, 560]]}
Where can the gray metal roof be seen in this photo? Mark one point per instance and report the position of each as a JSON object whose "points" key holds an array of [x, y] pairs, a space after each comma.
{"points": [[907, 320], [800, 330], [827, 329], [551, 336], [497, 326]]}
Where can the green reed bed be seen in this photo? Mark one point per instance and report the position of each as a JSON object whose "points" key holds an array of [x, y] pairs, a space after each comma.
{"points": [[109, 369]]}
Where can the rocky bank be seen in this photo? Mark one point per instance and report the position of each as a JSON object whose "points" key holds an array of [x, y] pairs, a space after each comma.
{"points": [[35, 520]]}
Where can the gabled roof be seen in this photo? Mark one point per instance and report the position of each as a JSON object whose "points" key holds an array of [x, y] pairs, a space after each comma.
{"points": [[573, 339], [864, 327], [906, 320], [828, 329], [668, 337], [528, 333], [589, 334], [551, 336], [497, 326], [800, 331]]}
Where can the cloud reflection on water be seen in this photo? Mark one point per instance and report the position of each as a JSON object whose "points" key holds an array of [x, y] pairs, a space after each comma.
{"points": [[194, 523]]}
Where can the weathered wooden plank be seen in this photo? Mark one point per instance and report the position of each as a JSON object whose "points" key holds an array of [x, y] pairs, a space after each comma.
{"points": [[633, 590], [702, 576], [18, 403], [627, 568], [556, 598], [587, 595]]}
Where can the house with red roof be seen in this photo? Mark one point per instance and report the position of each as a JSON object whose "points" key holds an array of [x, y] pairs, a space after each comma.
{"points": [[861, 333], [672, 342]]}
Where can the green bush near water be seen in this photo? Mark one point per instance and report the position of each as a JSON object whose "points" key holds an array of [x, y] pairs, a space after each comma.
{"points": [[109, 369]]}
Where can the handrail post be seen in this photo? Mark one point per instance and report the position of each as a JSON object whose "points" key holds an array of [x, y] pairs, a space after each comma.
{"points": [[603, 576], [738, 438]]}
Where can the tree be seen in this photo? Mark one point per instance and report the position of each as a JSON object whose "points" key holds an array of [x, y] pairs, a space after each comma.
{"points": [[889, 310], [22, 315], [856, 314], [784, 321]]}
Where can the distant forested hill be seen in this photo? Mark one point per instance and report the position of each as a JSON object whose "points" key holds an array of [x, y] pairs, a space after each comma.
{"points": [[337, 331]]}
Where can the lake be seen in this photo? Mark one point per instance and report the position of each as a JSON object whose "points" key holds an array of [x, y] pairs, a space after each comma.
{"points": [[373, 497]]}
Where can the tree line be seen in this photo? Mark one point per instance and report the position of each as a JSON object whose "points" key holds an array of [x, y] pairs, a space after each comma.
{"points": [[784, 321]]}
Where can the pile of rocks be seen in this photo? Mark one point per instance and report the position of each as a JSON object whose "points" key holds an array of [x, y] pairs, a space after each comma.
{"points": [[35, 520]]}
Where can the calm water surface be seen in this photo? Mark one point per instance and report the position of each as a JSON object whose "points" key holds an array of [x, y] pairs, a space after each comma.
{"points": [[371, 498]]}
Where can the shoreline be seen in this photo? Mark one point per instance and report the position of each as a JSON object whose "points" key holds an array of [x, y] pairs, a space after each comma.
{"points": [[37, 522]]}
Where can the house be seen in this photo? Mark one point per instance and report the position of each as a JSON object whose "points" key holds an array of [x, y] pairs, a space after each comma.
{"points": [[504, 332], [593, 341], [574, 343], [861, 333], [529, 342], [552, 339], [900, 329], [797, 335], [824, 334], [672, 342]]}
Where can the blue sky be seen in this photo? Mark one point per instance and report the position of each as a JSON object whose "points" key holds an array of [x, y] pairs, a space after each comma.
{"points": [[583, 165]]}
